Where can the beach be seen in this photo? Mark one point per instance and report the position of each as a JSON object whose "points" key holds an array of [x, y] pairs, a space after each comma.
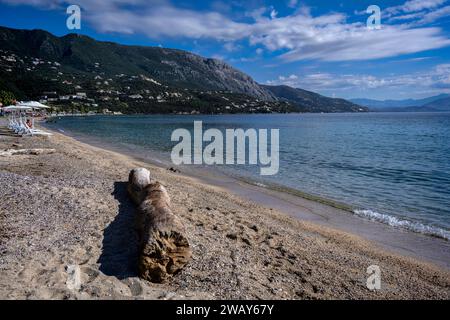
{"points": [[70, 207]]}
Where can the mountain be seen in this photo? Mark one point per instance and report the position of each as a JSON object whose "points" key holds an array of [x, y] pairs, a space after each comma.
{"points": [[391, 104], [405, 109], [79, 73], [308, 101], [174, 67], [439, 105]]}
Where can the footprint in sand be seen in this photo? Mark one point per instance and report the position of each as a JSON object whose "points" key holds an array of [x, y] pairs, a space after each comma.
{"points": [[91, 273], [73, 281]]}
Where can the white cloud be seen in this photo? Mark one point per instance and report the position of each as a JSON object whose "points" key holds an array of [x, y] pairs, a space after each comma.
{"points": [[422, 11], [343, 43], [298, 36], [292, 3], [414, 6], [47, 4], [408, 16], [218, 57], [292, 78], [437, 79], [231, 46], [432, 16]]}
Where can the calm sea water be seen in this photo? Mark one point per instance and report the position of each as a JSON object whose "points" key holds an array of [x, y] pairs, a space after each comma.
{"points": [[392, 167]]}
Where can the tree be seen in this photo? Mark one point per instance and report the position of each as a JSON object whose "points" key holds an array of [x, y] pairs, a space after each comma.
{"points": [[6, 97]]}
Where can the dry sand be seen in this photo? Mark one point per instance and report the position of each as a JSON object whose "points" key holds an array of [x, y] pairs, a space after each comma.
{"points": [[71, 208]]}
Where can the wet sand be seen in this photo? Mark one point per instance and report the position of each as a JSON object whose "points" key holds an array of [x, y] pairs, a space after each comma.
{"points": [[71, 208], [405, 242]]}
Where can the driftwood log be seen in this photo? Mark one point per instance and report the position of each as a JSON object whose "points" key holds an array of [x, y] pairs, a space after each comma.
{"points": [[12, 152], [164, 248]]}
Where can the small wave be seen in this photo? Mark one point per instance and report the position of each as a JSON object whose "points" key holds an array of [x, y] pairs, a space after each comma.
{"points": [[157, 161], [259, 184], [61, 130], [405, 224]]}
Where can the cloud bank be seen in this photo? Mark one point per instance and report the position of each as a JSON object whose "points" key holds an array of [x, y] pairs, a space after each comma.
{"points": [[299, 36], [436, 80]]}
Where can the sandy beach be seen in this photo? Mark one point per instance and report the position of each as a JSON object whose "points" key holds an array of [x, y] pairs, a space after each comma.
{"points": [[70, 207]]}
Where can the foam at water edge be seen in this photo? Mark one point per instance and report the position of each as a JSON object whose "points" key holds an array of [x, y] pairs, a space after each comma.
{"points": [[260, 185], [405, 224]]}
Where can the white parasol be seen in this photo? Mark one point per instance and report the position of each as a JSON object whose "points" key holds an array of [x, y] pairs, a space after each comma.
{"points": [[16, 108], [33, 104]]}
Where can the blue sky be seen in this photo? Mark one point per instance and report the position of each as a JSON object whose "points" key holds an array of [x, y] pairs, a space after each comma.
{"points": [[323, 46]]}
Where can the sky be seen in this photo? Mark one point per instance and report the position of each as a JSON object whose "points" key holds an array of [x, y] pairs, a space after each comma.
{"points": [[323, 46]]}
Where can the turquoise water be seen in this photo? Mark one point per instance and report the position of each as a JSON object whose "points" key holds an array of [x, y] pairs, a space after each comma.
{"points": [[391, 167]]}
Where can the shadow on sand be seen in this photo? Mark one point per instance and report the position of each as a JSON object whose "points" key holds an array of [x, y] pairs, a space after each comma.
{"points": [[6, 132], [120, 241]]}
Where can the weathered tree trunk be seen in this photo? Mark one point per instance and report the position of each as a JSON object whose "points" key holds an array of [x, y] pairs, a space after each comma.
{"points": [[164, 247], [12, 152]]}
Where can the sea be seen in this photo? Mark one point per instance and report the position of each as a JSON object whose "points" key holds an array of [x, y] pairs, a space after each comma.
{"points": [[393, 168]]}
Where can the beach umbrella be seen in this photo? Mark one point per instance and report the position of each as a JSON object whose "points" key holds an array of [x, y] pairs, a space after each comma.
{"points": [[33, 104], [16, 108]]}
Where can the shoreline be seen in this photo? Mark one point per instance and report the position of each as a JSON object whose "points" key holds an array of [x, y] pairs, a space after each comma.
{"points": [[366, 211], [71, 208], [304, 206]]}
